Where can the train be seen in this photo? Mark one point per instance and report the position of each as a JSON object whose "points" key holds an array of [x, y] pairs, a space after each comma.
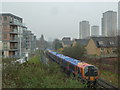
{"points": [[85, 72]]}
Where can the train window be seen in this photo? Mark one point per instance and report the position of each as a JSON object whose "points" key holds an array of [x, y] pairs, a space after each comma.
{"points": [[65, 63], [91, 71], [58, 60], [72, 66], [78, 70]]}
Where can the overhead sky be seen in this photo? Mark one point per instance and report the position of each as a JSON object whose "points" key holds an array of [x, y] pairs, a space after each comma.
{"points": [[58, 19]]}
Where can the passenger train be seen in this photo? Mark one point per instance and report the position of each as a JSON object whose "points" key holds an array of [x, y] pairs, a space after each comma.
{"points": [[86, 72]]}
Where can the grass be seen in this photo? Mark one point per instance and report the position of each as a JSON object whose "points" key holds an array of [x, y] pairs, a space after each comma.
{"points": [[34, 74], [110, 77]]}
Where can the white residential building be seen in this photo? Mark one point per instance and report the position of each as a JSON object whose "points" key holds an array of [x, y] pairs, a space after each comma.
{"points": [[109, 23], [94, 30], [84, 29]]}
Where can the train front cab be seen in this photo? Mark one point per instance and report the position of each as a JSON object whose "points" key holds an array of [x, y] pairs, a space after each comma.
{"points": [[88, 74]]}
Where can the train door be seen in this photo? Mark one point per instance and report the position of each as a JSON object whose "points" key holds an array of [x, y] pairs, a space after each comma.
{"points": [[79, 72]]}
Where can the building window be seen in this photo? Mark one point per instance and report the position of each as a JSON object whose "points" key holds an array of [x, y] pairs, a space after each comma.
{"points": [[5, 18], [0, 18], [100, 42], [111, 42], [11, 19], [5, 36], [5, 27], [5, 45]]}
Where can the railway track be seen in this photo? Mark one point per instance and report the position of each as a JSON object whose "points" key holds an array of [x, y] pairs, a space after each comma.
{"points": [[105, 85]]}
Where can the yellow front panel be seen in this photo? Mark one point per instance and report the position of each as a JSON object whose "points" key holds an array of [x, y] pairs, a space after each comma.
{"points": [[92, 78]]}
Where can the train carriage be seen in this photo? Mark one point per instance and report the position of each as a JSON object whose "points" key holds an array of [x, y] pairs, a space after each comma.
{"points": [[86, 72]]}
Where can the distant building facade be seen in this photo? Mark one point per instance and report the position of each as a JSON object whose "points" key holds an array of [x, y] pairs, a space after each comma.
{"points": [[94, 30], [29, 42], [66, 42], [101, 46], [81, 42], [42, 43], [109, 23], [84, 29]]}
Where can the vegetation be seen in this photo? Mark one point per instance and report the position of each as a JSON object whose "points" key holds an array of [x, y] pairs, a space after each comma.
{"points": [[108, 67], [109, 76], [34, 74], [57, 44], [75, 52]]}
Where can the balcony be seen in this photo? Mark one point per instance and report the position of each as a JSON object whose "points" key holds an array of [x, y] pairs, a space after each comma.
{"points": [[14, 31], [14, 39], [17, 23], [13, 48]]}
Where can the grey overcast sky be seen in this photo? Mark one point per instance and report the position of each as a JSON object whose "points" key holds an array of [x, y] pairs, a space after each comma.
{"points": [[58, 19]]}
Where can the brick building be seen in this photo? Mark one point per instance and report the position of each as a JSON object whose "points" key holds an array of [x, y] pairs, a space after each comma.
{"points": [[16, 39], [10, 27]]}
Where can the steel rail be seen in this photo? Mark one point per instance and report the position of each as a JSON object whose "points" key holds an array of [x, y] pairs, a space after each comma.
{"points": [[103, 84]]}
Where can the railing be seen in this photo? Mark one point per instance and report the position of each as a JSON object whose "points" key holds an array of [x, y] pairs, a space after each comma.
{"points": [[14, 47], [14, 31], [14, 39], [17, 23]]}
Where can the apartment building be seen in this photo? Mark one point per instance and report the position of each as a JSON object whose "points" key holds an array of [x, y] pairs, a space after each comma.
{"points": [[10, 27], [94, 30], [16, 38], [28, 43], [109, 23], [84, 29]]}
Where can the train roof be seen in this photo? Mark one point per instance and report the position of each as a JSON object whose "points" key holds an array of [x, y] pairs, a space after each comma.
{"points": [[74, 61], [66, 58]]}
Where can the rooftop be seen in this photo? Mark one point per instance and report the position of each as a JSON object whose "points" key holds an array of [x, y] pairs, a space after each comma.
{"points": [[9, 14], [82, 42], [67, 42], [105, 41]]}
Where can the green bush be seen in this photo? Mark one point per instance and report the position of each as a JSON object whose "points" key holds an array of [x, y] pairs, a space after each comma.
{"points": [[75, 52], [35, 74]]}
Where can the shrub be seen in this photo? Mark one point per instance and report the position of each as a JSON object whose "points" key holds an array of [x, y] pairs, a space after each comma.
{"points": [[35, 74], [75, 52]]}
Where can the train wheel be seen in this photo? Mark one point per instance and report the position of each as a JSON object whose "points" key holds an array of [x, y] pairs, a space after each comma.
{"points": [[83, 81], [88, 84]]}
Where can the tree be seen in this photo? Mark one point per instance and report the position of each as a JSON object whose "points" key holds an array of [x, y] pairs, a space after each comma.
{"points": [[76, 52], [57, 44]]}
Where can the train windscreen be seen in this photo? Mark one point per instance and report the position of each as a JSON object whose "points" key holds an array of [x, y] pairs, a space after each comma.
{"points": [[91, 71]]}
